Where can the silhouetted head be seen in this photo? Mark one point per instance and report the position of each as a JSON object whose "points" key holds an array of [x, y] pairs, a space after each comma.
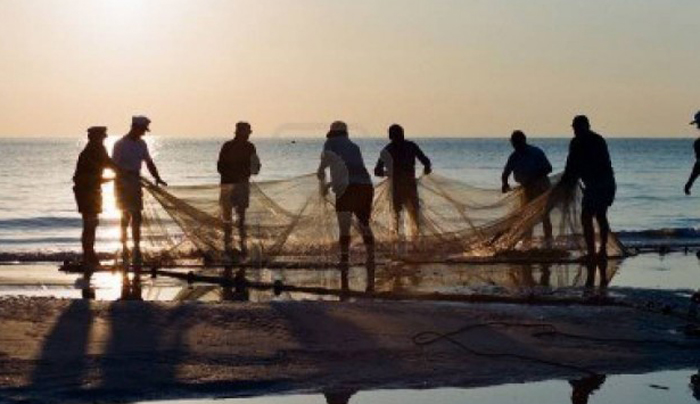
{"points": [[338, 128], [139, 125], [581, 125], [696, 120], [97, 133], [396, 133], [518, 140], [243, 130]]}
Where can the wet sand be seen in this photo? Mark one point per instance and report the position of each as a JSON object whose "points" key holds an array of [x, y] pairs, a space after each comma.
{"points": [[73, 350]]}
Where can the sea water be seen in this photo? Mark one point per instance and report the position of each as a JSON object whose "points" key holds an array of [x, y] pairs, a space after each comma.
{"points": [[38, 212]]}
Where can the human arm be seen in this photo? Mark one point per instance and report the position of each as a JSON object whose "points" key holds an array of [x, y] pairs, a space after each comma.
{"points": [[379, 169], [323, 164], [255, 165], [693, 176], [154, 172], [572, 169], [507, 171], [427, 165]]}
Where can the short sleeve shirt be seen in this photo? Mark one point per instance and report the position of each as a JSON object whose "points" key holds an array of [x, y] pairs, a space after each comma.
{"points": [[129, 154]]}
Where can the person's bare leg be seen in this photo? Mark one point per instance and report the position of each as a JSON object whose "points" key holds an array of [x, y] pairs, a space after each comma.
{"points": [[588, 233], [87, 239], [125, 221], [368, 239], [547, 228], [227, 217], [414, 218], [604, 225], [344, 223], [136, 235], [136, 229], [242, 231]]}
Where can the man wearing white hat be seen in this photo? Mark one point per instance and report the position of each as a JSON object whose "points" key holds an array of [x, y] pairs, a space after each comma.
{"points": [[129, 154], [696, 146]]}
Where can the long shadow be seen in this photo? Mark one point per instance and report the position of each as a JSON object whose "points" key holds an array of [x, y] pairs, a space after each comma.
{"points": [[63, 361], [139, 356]]}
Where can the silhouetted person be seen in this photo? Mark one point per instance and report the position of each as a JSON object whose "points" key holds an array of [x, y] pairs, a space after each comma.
{"points": [[583, 388], [695, 385], [530, 168], [398, 161], [696, 168], [92, 162], [589, 161], [238, 160], [129, 153], [338, 396], [353, 191]]}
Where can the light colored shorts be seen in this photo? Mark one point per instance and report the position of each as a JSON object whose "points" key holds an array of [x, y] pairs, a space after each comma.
{"points": [[127, 190], [234, 196]]}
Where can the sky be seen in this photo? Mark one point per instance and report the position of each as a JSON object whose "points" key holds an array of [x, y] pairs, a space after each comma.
{"points": [[290, 67]]}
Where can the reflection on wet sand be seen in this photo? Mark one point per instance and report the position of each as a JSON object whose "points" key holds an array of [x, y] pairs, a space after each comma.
{"points": [[239, 284]]}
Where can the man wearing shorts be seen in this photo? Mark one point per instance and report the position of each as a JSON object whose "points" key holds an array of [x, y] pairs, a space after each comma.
{"points": [[238, 160], [353, 190], [88, 181], [398, 161], [129, 154], [589, 161], [696, 146], [530, 168]]}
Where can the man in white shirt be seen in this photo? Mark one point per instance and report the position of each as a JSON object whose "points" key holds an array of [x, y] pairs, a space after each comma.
{"points": [[353, 191], [128, 154]]}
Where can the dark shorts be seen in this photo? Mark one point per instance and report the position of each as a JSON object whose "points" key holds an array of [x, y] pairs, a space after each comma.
{"points": [[89, 200], [357, 199], [404, 193], [536, 188], [599, 197]]}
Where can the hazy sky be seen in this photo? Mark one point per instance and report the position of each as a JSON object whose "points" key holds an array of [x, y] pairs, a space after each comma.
{"points": [[440, 67]]}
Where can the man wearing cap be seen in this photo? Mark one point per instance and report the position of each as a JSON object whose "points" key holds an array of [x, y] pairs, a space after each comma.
{"points": [[398, 161], [238, 160], [353, 191], [696, 168], [589, 161], [88, 188], [530, 168], [129, 153]]}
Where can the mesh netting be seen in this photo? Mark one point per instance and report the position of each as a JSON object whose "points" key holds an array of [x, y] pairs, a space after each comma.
{"points": [[292, 221]]}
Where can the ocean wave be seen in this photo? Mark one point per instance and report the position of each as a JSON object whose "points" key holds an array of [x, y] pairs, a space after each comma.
{"points": [[47, 222]]}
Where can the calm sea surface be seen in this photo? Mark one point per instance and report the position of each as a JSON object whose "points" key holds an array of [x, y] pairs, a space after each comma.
{"points": [[37, 210]]}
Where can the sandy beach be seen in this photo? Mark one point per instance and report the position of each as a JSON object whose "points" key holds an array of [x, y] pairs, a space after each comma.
{"points": [[60, 350]]}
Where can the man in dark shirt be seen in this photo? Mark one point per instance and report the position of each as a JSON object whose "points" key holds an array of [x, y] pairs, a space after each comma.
{"points": [[88, 188], [530, 167], [589, 161], [238, 160], [398, 161], [696, 168]]}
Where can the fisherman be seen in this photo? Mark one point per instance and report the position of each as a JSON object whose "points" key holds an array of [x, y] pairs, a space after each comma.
{"points": [[129, 153], [530, 168], [238, 160], [92, 162], [353, 191], [398, 161], [696, 146], [589, 161]]}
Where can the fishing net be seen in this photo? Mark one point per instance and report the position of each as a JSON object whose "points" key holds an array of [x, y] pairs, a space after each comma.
{"points": [[293, 221]]}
